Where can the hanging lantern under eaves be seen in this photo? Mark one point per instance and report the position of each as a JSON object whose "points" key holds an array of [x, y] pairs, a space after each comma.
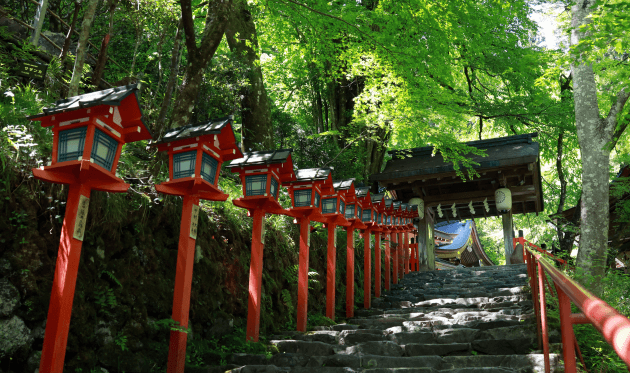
{"points": [[420, 203], [503, 200]]}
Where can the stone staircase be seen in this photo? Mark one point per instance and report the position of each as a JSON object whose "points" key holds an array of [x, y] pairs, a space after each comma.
{"points": [[455, 321]]}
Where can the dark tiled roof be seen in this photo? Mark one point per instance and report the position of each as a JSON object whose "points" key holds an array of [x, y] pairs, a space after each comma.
{"points": [[261, 158], [111, 96], [362, 191], [500, 152], [307, 174], [343, 184], [377, 198], [211, 127]]}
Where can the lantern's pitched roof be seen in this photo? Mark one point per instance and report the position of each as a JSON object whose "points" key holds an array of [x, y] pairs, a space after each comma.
{"points": [[211, 127], [343, 184], [111, 96], [388, 202], [397, 205], [362, 191], [377, 198], [261, 158], [313, 174]]}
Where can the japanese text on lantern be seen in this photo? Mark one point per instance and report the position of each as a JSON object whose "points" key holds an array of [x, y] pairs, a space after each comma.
{"points": [[79, 223], [194, 218]]}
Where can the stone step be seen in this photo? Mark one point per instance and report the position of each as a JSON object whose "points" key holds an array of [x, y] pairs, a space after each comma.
{"points": [[428, 363], [454, 321]]}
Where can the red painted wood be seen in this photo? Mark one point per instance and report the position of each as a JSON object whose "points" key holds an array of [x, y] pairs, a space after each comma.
{"points": [[377, 264], [395, 250], [388, 255], [350, 272], [566, 331], [89, 140], [255, 278], [302, 304], [62, 294], [331, 262], [401, 256], [183, 283], [367, 270], [407, 254]]}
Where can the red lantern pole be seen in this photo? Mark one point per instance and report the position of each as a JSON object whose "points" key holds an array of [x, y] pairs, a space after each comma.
{"points": [[255, 277], [183, 282], [401, 256], [388, 255], [377, 264], [331, 262], [395, 257], [350, 272], [302, 304], [407, 254], [66, 269], [367, 270]]}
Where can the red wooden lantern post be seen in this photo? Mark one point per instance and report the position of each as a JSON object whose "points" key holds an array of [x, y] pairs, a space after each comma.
{"points": [[262, 174], [405, 224], [396, 242], [195, 154], [412, 212], [306, 192], [400, 241], [378, 206], [333, 211], [89, 132], [387, 230], [365, 198], [353, 214]]}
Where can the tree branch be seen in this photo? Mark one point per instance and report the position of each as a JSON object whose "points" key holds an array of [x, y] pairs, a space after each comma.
{"points": [[189, 28], [340, 20], [611, 119]]}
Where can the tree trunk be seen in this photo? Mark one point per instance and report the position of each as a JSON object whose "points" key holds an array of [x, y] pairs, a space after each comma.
{"points": [[199, 56], [172, 78], [40, 14], [595, 135], [102, 55], [86, 26], [135, 49], [256, 115], [376, 151]]}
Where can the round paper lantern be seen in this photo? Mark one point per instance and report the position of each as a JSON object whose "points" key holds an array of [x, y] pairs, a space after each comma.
{"points": [[420, 203], [503, 199]]}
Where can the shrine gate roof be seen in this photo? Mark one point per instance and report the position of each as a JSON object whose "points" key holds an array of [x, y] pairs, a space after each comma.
{"points": [[511, 162]]}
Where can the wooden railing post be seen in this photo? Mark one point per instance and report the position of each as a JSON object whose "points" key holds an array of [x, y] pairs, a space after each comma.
{"points": [[566, 330], [543, 317]]}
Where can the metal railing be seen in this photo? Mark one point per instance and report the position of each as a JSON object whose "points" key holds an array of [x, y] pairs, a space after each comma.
{"points": [[611, 324]]}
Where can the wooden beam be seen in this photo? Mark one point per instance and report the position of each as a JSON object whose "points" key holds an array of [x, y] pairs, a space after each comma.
{"points": [[538, 191], [477, 196], [509, 170]]}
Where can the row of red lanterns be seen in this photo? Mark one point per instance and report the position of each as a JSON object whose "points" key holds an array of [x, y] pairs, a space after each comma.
{"points": [[89, 132]]}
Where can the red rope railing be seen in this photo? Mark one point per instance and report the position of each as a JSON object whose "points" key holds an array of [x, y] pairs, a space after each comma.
{"points": [[611, 324]]}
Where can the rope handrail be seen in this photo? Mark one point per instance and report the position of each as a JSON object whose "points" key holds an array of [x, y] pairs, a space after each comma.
{"points": [[614, 327]]}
